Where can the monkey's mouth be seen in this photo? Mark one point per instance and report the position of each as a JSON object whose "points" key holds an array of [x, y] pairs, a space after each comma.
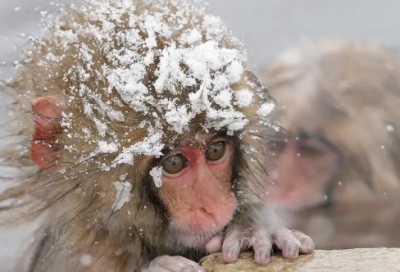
{"points": [[192, 239], [198, 240]]}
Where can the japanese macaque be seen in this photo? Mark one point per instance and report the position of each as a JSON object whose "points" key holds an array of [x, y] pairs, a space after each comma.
{"points": [[337, 172], [144, 132]]}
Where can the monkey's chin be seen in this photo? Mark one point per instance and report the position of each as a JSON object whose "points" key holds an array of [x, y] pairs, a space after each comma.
{"points": [[188, 239]]}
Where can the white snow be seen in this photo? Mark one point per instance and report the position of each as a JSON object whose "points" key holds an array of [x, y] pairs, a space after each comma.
{"points": [[105, 147], [224, 98], [266, 109], [196, 64], [86, 260], [156, 174], [191, 37], [389, 128], [123, 194], [119, 73], [234, 71], [244, 98]]}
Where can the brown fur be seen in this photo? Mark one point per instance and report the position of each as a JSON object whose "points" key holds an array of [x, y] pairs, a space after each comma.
{"points": [[346, 92], [80, 197]]}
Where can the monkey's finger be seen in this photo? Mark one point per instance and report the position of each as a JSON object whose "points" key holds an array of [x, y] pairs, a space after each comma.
{"points": [[306, 243], [231, 246], [174, 264], [285, 240], [215, 244], [262, 245]]}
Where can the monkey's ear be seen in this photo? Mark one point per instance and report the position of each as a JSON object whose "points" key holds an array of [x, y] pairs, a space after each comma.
{"points": [[46, 117]]}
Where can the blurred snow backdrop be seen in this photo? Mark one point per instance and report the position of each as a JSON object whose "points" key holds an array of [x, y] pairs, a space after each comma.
{"points": [[266, 26]]}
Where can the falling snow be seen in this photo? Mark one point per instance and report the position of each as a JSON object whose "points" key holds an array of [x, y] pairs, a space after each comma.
{"points": [[86, 260], [389, 128]]}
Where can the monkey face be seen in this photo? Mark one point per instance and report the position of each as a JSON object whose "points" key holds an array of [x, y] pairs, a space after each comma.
{"points": [[197, 190], [197, 176], [301, 172]]}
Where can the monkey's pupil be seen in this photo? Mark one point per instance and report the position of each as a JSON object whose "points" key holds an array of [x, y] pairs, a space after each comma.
{"points": [[216, 151], [173, 164]]}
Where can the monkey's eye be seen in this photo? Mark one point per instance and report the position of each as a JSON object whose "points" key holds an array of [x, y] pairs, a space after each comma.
{"points": [[216, 151], [278, 145], [174, 163], [311, 147]]}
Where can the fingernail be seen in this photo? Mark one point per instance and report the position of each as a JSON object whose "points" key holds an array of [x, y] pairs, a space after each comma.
{"points": [[262, 257], [293, 249], [230, 255]]}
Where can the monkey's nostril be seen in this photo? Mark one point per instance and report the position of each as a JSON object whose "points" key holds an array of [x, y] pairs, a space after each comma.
{"points": [[209, 215], [203, 210]]}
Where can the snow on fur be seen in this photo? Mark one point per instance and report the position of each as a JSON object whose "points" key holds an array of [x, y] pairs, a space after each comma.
{"points": [[195, 56]]}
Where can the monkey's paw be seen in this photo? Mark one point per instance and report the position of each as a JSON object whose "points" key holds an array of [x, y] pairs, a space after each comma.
{"points": [[262, 240], [167, 263]]}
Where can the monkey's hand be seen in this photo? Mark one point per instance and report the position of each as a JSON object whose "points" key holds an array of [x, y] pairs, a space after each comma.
{"points": [[245, 234], [262, 240], [167, 263]]}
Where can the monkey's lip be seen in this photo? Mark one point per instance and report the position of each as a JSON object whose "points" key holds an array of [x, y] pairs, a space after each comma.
{"points": [[202, 233], [197, 239], [201, 240]]}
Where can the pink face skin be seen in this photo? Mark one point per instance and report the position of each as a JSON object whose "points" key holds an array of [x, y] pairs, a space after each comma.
{"points": [[199, 197], [299, 173]]}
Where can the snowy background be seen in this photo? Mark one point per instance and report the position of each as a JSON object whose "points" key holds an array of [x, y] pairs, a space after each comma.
{"points": [[266, 26]]}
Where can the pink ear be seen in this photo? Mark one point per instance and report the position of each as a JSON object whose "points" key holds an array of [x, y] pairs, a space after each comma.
{"points": [[47, 117]]}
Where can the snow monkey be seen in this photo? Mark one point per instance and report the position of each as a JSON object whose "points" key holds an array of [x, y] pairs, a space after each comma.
{"points": [[337, 172], [144, 129]]}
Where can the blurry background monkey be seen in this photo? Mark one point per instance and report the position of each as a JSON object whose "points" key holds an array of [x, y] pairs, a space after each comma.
{"points": [[337, 174], [138, 114]]}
